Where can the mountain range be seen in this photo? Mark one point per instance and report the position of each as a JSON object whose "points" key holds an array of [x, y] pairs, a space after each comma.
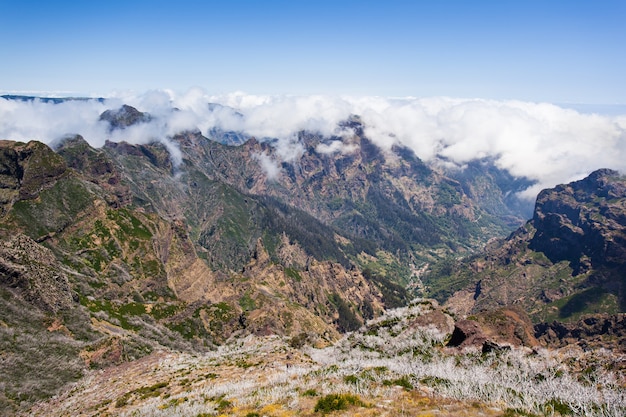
{"points": [[110, 254]]}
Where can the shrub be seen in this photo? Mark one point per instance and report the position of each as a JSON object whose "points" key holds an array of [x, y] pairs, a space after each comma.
{"points": [[557, 406], [400, 382], [333, 402], [351, 379], [347, 321], [310, 393], [299, 340], [223, 404]]}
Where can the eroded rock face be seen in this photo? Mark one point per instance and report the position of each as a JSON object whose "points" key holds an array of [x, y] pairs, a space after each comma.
{"points": [[33, 271], [26, 169], [96, 166], [597, 331], [567, 262], [467, 333], [583, 222], [493, 330]]}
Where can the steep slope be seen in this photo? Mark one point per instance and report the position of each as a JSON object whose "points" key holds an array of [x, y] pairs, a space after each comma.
{"points": [[569, 260], [382, 202], [104, 262], [110, 254]]}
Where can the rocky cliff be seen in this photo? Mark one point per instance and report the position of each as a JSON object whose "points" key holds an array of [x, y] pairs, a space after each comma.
{"points": [[583, 223], [566, 263]]}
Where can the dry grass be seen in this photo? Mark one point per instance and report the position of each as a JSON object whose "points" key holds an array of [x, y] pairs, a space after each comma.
{"points": [[398, 371]]}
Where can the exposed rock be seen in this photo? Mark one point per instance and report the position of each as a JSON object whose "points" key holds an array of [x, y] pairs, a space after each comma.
{"points": [[507, 327], [461, 302], [493, 330], [434, 319], [466, 333], [583, 222], [568, 261], [96, 166], [489, 347], [34, 272], [26, 169], [596, 331], [108, 352], [124, 117]]}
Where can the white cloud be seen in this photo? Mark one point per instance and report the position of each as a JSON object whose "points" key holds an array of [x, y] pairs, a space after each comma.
{"points": [[271, 167], [540, 141], [46, 122], [336, 146]]}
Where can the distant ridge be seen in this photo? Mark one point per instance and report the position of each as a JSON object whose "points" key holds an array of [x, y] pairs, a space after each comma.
{"points": [[53, 100]]}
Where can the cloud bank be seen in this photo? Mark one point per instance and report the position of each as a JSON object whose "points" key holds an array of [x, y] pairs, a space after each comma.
{"points": [[542, 142]]}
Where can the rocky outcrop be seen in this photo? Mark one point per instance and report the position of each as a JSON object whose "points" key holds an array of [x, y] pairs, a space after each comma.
{"points": [[25, 170], [567, 262], [583, 222], [466, 333], [32, 270], [124, 117], [596, 331], [491, 330], [96, 166]]}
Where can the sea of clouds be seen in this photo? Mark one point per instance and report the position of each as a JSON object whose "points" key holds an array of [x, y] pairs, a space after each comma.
{"points": [[542, 142]]}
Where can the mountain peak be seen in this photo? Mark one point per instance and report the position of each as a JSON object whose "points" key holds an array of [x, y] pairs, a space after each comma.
{"points": [[124, 117]]}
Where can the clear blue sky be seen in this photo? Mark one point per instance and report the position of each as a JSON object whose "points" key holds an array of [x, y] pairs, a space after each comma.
{"points": [[556, 51]]}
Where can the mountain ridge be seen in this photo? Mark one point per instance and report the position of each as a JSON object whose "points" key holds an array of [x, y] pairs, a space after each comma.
{"points": [[185, 244]]}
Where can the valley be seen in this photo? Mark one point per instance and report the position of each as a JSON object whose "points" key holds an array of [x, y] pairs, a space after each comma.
{"points": [[235, 275]]}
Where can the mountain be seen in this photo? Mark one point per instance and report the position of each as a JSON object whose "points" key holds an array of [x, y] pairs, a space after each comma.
{"points": [[567, 262], [185, 243]]}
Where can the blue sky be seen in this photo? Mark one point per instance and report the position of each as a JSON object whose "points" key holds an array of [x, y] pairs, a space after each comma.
{"points": [[553, 51]]}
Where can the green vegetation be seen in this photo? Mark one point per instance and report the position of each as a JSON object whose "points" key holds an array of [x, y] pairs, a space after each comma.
{"points": [[310, 393], [585, 302], [386, 265], [223, 405], [347, 321], [161, 310], [434, 381], [207, 323], [316, 238], [394, 295], [515, 412], [448, 196], [557, 406], [141, 393], [351, 379], [334, 402], [400, 382], [247, 303], [119, 312], [129, 225], [55, 209], [293, 274], [446, 277], [231, 238], [588, 301]]}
